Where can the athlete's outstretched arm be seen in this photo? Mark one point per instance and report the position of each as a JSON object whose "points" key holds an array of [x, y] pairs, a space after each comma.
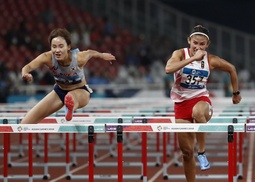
{"points": [[85, 56]]}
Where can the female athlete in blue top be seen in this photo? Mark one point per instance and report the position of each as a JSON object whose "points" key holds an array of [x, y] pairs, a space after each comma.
{"points": [[66, 65]]}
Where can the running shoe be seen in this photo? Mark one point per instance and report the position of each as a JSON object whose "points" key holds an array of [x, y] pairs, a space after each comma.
{"points": [[69, 103], [204, 164]]}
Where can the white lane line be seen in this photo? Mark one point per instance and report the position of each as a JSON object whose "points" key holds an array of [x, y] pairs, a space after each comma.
{"points": [[250, 158]]}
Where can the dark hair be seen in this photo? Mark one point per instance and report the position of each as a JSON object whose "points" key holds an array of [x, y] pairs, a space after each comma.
{"points": [[62, 33], [199, 29]]}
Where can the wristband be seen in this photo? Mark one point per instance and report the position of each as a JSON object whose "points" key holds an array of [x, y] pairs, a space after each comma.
{"points": [[236, 93]]}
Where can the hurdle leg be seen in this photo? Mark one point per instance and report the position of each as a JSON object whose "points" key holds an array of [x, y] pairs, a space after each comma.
{"points": [[120, 153], [68, 175], [46, 159], [37, 145], [8, 148], [168, 136], [144, 156], [21, 148], [94, 143], [91, 152], [5, 172], [240, 157], [30, 157], [235, 155], [230, 153], [111, 136], [164, 156], [176, 162], [158, 141], [74, 150]]}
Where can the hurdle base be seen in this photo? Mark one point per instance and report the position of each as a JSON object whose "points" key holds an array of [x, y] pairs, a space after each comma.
{"points": [[198, 177], [105, 177], [126, 164], [24, 177], [240, 177], [46, 177], [220, 164]]}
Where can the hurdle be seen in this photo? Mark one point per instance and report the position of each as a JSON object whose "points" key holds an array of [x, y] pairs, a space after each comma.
{"points": [[127, 127], [81, 120]]}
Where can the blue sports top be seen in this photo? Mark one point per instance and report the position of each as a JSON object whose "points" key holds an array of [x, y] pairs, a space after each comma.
{"points": [[67, 75]]}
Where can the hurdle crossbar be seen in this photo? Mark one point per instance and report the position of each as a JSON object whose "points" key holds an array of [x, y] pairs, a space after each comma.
{"points": [[127, 127]]}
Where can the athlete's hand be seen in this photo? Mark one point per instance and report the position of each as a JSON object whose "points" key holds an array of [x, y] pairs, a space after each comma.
{"points": [[27, 77], [108, 57], [236, 99], [199, 55]]}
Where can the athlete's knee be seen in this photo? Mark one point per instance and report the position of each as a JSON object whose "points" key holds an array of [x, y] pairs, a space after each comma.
{"points": [[83, 102], [187, 154], [198, 115]]}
